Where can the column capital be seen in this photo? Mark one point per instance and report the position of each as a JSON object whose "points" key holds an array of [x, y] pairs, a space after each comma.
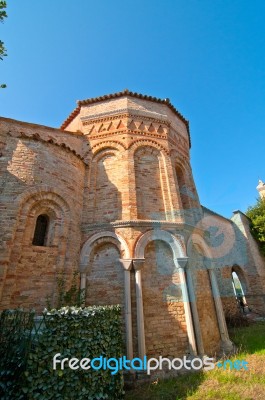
{"points": [[126, 263], [181, 262], [212, 265], [138, 263], [82, 267]]}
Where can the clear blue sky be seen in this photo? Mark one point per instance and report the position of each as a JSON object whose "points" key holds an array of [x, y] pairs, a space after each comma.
{"points": [[207, 56]]}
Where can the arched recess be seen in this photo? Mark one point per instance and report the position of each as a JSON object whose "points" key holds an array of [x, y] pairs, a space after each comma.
{"points": [[89, 244], [199, 262], [177, 245], [165, 318], [150, 183], [104, 203], [44, 200], [101, 270], [58, 222]]}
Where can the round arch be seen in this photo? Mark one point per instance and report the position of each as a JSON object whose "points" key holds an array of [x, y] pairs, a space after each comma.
{"points": [[195, 238], [174, 243], [107, 152], [89, 244], [38, 201], [107, 145], [45, 192], [152, 144]]}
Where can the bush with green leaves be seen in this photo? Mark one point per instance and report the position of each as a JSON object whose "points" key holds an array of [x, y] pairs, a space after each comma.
{"points": [[82, 333]]}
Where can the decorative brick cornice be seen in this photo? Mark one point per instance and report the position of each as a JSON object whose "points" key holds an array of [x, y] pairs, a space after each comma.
{"points": [[127, 124], [37, 126], [37, 137], [120, 114], [125, 93]]}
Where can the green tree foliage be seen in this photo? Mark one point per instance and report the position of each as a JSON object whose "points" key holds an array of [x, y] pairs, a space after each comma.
{"points": [[257, 215], [3, 15]]}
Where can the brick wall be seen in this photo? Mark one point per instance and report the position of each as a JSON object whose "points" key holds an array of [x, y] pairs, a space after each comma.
{"points": [[38, 178], [150, 199], [165, 325]]}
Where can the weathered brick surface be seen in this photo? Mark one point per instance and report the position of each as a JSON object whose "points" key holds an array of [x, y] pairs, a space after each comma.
{"points": [[165, 324], [150, 204], [37, 177], [119, 165], [105, 277]]}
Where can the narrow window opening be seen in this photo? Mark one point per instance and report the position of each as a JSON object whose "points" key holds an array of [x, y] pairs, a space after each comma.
{"points": [[41, 230]]}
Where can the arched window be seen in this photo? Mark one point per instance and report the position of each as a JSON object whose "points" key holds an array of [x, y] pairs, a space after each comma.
{"points": [[41, 230]]}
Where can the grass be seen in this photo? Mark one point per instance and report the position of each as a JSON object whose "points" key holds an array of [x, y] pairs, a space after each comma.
{"points": [[217, 384]]}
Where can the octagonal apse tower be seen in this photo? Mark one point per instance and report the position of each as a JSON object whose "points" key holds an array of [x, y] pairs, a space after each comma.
{"points": [[141, 206], [111, 194]]}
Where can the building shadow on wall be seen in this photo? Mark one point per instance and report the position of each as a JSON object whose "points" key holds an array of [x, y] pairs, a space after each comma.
{"points": [[231, 251], [165, 322], [102, 197]]}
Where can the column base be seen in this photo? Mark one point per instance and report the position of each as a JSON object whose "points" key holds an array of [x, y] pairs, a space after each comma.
{"points": [[227, 346]]}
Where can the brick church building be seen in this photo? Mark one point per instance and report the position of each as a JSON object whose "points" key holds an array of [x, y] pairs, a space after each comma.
{"points": [[111, 194]]}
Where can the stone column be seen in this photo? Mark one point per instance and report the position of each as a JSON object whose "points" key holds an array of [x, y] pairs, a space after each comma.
{"points": [[226, 344], [138, 265], [180, 264], [127, 265], [196, 321]]}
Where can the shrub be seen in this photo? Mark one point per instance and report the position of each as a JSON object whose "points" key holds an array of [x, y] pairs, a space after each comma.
{"points": [[81, 333]]}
